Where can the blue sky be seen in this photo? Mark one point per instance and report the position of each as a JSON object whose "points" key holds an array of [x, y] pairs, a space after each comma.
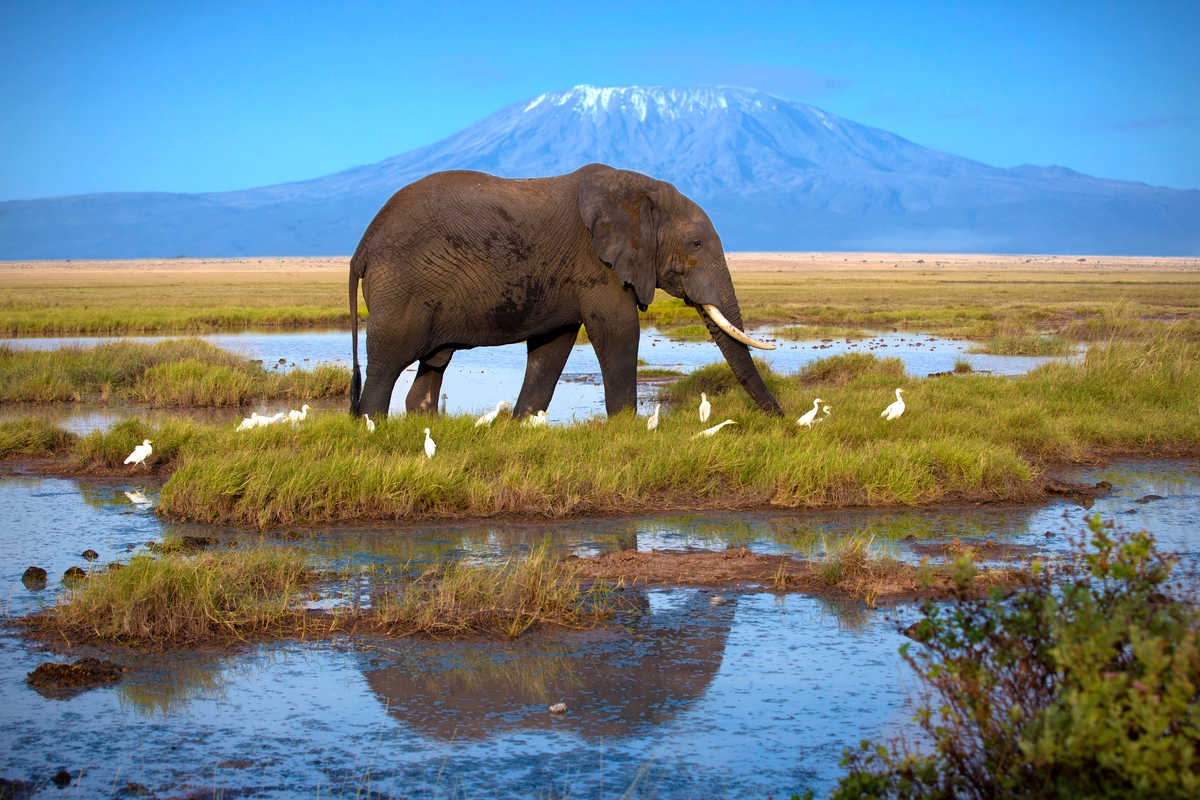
{"points": [[212, 96]]}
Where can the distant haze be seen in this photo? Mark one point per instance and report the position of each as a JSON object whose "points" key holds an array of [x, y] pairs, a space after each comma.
{"points": [[773, 175]]}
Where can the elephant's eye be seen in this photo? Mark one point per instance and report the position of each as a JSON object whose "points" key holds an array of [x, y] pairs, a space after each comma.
{"points": [[697, 244]]}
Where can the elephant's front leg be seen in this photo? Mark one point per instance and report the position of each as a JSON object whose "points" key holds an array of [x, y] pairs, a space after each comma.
{"points": [[614, 332], [423, 396], [548, 355]]}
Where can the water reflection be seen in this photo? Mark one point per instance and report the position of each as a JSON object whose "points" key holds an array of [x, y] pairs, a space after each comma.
{"points": [[614, 682]]}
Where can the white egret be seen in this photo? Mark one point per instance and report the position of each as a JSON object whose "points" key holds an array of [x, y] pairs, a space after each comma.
{"points": [[490, 417], [140, 454], [827, 410], [539, 420], [253, 421], [370, 424], [705, 407], [808, 417], [271, 420], [652, 423], [138, 498], [895, 409], [430, 447], [710, 431], [296, 417]]}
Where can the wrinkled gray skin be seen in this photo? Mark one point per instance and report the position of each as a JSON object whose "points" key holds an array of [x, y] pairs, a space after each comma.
{"points": [[464, 259]]}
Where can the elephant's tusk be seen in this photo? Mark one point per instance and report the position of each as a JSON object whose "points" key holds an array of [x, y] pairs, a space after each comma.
{"points": [[716, 316]]}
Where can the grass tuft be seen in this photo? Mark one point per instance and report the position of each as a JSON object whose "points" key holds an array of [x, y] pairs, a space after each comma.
{"points": [[33, 437], [458, 599], [180, 599], [178, 372]]}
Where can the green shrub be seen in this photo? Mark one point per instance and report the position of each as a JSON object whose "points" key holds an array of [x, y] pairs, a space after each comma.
{"points": [[1088, 687]]}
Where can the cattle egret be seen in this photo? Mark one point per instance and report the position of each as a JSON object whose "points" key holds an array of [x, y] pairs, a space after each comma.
{"points": [[430, 447], [652, 423], [705, 407], [539, 420], [490, 417], [271, 420], [138, 499], [140, 454], [296, 417], [710, 431], [808, 417], [826, 411], [370, 424], [895, 409], [252, 421]]}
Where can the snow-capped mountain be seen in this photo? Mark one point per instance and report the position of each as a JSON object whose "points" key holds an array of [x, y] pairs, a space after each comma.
{"points": [[773, 175]]}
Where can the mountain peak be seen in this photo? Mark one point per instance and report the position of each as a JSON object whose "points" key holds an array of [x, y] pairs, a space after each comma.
{"points": [[663, 102]]}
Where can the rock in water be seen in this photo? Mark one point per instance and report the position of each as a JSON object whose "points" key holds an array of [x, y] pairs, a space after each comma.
{"points": [[34, 579]]}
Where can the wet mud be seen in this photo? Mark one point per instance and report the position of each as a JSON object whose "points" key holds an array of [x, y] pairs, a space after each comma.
{"points": [[60, 680]]}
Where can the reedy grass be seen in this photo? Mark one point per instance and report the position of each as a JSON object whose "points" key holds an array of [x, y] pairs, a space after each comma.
{"points": [[33, 437], [811, 332], [180, 599], [179, 372], [507, 599], [964, 437], [1026, 345]]}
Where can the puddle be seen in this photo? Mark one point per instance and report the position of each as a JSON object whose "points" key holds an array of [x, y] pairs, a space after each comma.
{"points": [[478, 378], [752, 698]]}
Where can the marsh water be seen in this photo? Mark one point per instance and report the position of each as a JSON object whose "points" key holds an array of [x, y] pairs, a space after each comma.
{"points": [[477, 379], [755, 697]]}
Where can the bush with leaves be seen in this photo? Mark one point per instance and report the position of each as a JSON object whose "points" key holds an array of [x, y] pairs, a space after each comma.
{"points": [[1085, 683]]}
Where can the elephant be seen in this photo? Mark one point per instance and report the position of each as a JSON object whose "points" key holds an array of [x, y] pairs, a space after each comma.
{"points": [[464, 259]]}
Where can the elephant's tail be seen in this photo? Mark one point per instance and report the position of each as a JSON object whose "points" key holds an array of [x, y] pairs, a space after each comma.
{"points": [[355, 374]]}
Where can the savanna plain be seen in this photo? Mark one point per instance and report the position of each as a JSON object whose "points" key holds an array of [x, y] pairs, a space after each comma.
{"points": [[959, 602]]}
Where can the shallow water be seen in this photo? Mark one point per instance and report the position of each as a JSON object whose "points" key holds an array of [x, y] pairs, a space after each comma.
{"points": [[478, 378], [751, 698]]}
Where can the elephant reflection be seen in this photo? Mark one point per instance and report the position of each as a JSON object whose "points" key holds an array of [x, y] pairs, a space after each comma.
{"points": [[614, 682]]}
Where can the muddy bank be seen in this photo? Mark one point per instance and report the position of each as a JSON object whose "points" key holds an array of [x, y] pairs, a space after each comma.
{"points": [[871, 580]]}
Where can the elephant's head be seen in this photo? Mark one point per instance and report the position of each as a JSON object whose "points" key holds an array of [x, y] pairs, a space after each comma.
{"points": [[652, 236]]}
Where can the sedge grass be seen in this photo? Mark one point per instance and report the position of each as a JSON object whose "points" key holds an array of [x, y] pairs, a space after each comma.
{"points": [[964, 437], [180, 599], [180, 372], [33, 437], [508, 599]]}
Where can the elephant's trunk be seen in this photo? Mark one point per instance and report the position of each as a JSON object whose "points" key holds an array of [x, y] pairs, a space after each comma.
{"points": [[738, 356]]}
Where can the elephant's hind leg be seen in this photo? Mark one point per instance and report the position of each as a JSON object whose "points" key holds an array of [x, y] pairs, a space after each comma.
{"points": [[548, 355], [388, 354], [423, 396]]}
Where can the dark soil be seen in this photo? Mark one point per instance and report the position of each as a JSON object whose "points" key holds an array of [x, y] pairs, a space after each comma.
{"points": [[54, 679]]}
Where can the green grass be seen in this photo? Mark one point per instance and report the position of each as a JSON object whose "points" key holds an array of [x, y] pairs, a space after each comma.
{"points": [[179, 372], [687, 333], [1026, 345], [33, 437], [815, 332], [507, 599], [964, 437], [180, 599]]}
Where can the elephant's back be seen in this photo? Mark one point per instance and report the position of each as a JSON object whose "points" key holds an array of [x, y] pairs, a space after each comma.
{"points": [[463, 214]]}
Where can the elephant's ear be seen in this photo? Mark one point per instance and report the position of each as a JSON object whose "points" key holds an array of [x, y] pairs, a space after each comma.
{"points": [[619, 211]]}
